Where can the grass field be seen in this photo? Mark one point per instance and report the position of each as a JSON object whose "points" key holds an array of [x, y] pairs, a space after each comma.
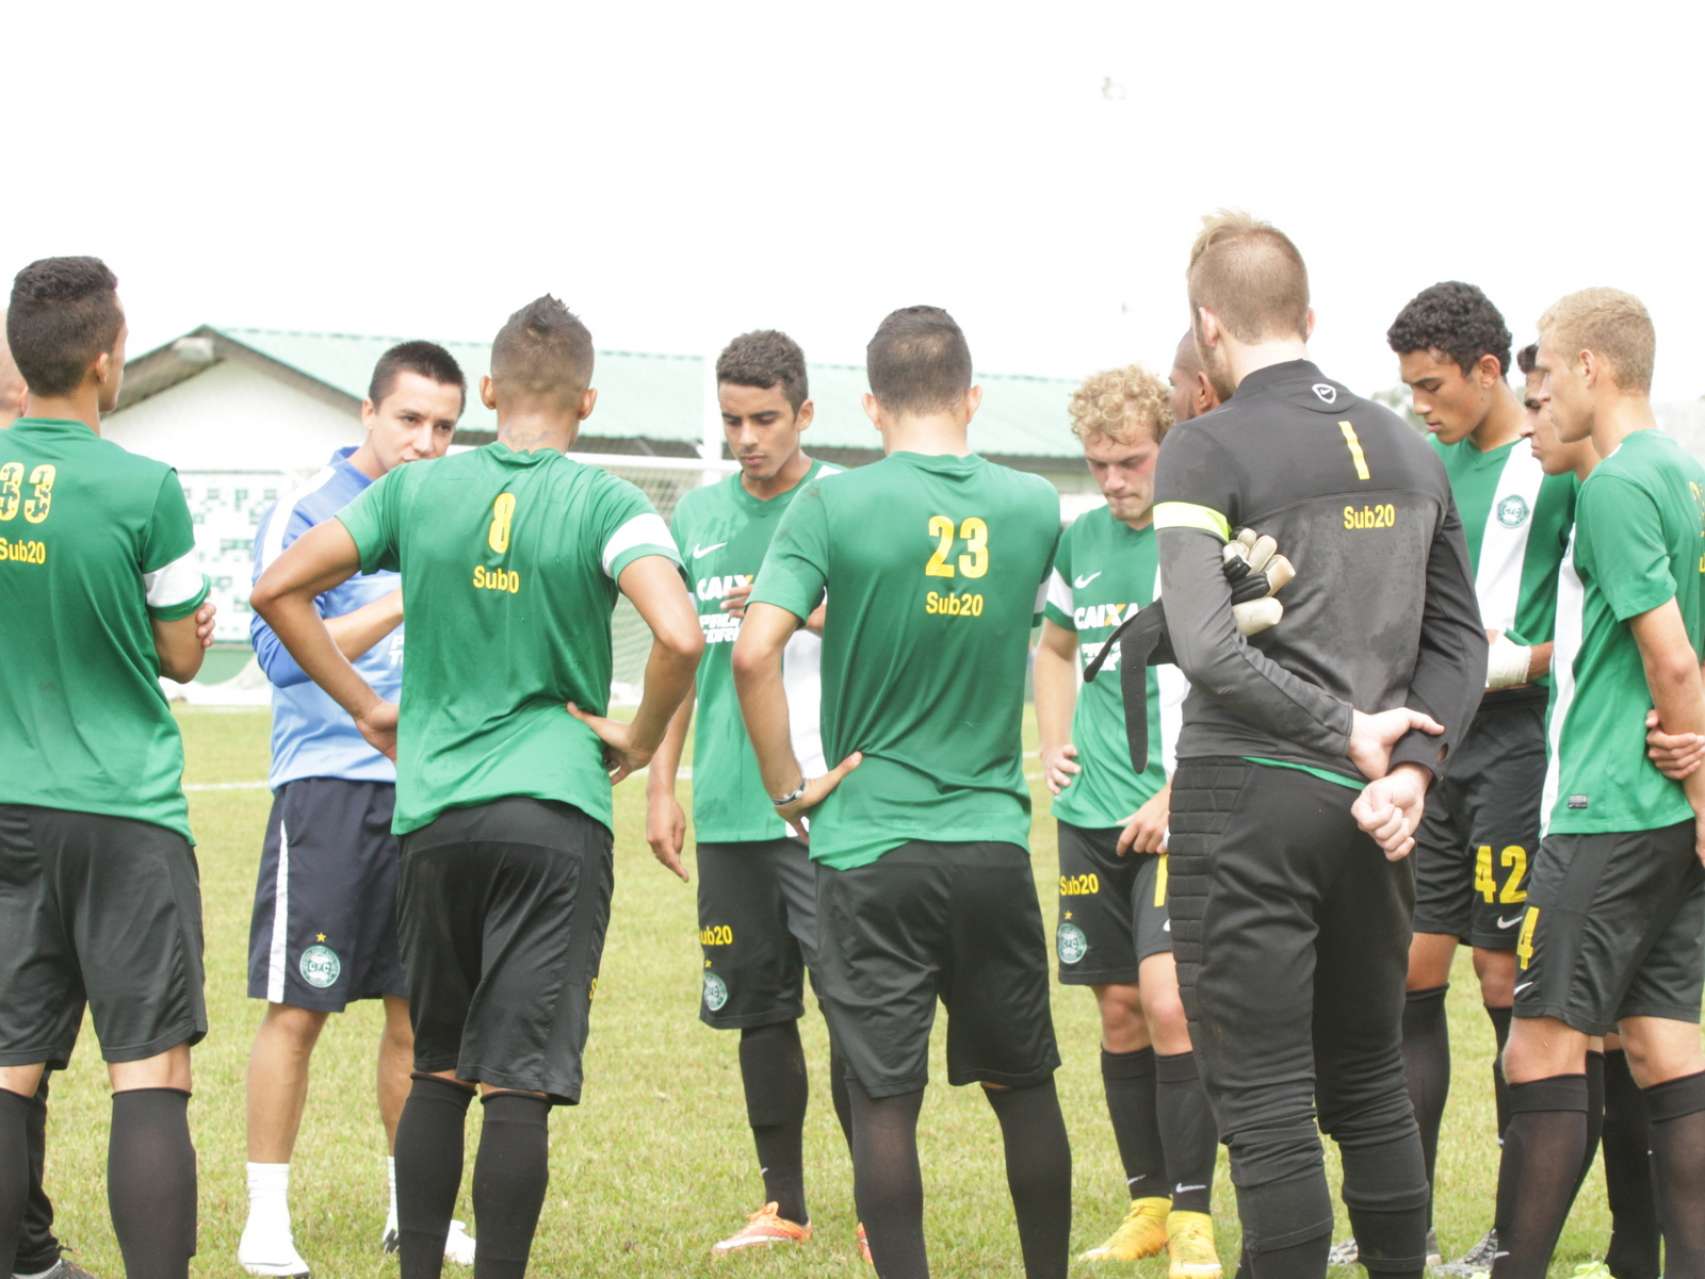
{"points": [[657, 1162]]}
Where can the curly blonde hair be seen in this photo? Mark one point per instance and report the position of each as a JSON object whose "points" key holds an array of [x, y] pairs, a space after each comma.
{"points": [[1117, 404]]}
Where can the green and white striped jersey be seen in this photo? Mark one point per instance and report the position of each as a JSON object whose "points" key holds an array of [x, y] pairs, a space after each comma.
{"points": [[1517, 522]]}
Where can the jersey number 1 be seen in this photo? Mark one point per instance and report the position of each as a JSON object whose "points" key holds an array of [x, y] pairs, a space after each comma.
{"points": [[1352, 443], [502, 517]]}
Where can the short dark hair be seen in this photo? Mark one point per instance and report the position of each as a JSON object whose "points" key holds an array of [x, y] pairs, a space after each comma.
{"points": [[425, 358], [63, 315], [918, 361], [543, 349], [1455, 318], [1527, 359], [765, 358]]}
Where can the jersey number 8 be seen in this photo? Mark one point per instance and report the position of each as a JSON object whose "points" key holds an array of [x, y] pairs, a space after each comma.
{"points": [[502, 517]]}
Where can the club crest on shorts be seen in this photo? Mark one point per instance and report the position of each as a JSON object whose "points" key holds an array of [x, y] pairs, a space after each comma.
{"points": [[715, 992], [1513, 511], [1070, 943], [320, 967]]}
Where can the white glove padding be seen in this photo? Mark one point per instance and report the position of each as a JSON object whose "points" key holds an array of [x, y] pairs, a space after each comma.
{"points": [[1507, 663], [1257, 572]]}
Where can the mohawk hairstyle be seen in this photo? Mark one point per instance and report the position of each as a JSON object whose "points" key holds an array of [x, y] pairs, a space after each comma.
{"points": [[542, 350]]}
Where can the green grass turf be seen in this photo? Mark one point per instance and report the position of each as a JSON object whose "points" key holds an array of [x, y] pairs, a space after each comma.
{"points": [[657, 1162]]}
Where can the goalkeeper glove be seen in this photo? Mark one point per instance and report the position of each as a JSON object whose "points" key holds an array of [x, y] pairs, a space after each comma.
{"points": [[1507, 663]]}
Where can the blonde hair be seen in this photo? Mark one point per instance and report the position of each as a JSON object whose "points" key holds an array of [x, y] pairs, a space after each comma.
{"points": [[1118, 403], [1613, 325], [1251, 276]]}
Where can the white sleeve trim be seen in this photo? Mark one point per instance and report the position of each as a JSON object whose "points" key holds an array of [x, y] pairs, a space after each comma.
{"points": [[642, 530], [1059, 593], [176, 583]]}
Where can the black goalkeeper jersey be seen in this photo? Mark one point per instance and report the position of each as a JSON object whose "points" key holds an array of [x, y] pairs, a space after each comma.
{"points": [[1382, 612]]}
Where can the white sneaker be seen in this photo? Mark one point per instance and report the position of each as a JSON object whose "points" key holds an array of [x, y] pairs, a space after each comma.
{"points": [[270, 1253], [458, 1244]]}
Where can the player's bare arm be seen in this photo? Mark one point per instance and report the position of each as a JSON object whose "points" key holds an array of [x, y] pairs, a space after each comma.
{"points": [[356, 632], [182, 644], [1672, 676], [665, 821], [1056, 699], [763, 705], [653, 584], [320, 559], [1146, 831]]}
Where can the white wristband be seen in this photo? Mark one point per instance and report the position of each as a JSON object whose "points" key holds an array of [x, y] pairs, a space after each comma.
{"points": [[1507, 663]]}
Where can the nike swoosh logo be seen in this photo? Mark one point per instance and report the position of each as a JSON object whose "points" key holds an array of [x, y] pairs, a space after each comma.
{"points": [[1518, 990], [706, 550], [1182, 1189], [1081, 582], [1508, 923]]}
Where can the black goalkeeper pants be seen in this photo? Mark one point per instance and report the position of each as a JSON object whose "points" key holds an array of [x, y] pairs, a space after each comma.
{"points": [[1291, 931]]}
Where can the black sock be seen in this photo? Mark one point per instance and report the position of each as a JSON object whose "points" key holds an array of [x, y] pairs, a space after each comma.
{"points": [[1536, 1177], [1627, 1148], [151, 1182], [838, 1093], [511, 1172], [1129, 1079], [1426, 1067], [1500, 1090], [1595, 1117], [429, 1171], [14, 1173], [1304, 1260], [1038, 1173], [772, 1067], [1676, 1111], [1187, 1132], [887, 1183], [38, 1250]]}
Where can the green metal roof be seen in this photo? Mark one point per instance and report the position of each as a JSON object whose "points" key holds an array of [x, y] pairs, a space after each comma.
{"points": [[660, 397]]}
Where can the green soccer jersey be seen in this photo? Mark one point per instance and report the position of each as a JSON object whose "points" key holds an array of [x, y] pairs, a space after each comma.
{"points": [[509, 564], [722, 532], [936, 566], [1516, 520], [1104, 573], [1639, 542], [94, 542]]}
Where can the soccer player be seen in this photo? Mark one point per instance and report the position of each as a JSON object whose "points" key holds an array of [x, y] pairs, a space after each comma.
{"points": [[757, 885], [99, 903], [1481, 828], [935, 560], [1289, 929], [1113, 934], [323, 930], [1611, 939], [514, 557]]}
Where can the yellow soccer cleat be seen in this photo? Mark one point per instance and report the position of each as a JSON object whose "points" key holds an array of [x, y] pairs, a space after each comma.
{"points": [[1141, 1234], [765, 1227], [1190, 1243]]}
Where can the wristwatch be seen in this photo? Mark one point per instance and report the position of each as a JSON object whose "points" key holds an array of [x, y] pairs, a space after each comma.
{"points": [[782, 801]]}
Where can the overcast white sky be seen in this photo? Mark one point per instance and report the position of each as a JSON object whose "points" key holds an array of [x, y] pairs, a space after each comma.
{"points": [[678, 173]]}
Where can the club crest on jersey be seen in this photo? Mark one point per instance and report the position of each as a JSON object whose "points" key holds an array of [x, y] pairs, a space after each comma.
{"points": [[1327, 394], [715, 992], [1512, 511], [320, 967], [1070, 943]]}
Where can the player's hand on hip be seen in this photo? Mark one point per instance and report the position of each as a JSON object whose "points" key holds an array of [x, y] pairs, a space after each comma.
{"points": [[622, 757], [1373, 736], [379, 727], [1676, 755], [1389, 809], [817, 789], [734, 602], [204, 623], [666, 831], [1058, 767], [1145, 829]]}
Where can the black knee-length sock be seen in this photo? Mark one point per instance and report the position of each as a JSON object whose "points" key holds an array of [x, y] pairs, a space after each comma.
{"points": [[151, 1182], [1677, 1115], [772, 1068], [1627, 1146], [429, 1171], [1130, 1082], [1536, 1177], [511, 1172], [1426, 1066], [1187, 1131]]}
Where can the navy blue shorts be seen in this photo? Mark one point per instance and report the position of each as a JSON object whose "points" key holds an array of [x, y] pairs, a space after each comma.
{"points": [[324, 929]]}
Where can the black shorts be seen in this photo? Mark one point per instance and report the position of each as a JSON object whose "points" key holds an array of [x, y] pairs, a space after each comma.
{"points": [[958, 922], [324, 928], [758, 931], [1614, 930], [1480, 831], [98, 909], [1112, 908], [501, 914]]}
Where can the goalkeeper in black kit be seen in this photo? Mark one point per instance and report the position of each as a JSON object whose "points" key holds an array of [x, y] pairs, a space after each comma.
{"points": [[1305, 757]]}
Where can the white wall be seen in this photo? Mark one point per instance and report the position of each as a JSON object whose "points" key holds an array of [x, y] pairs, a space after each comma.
{"points": [[234, 418]]}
